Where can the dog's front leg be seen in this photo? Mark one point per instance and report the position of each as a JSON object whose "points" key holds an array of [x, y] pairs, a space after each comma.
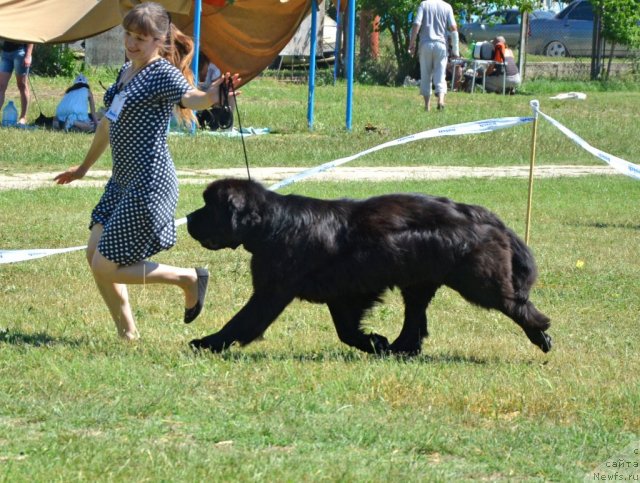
{"points": [[248, 324]]}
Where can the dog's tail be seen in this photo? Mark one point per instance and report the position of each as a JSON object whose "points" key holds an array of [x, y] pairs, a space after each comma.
{"points": [[524, 274], [523, 267]]}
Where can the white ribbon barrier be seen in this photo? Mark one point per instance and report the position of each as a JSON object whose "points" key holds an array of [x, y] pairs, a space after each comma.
{"points": [[624, 167], [12, 256], [476, 127]]}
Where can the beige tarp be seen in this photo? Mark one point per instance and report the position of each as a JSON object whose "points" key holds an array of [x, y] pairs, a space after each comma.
{"points": [[244, 36]]}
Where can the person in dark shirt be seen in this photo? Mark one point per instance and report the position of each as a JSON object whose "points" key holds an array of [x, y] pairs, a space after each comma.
{"points": [[16, 56]]}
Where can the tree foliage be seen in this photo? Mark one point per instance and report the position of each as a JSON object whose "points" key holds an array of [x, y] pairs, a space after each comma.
{"points": [[621, 20], [51, 60], [620, 24]]}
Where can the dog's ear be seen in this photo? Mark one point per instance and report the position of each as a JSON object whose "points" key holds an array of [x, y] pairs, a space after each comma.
{"points": [[244, 211]]}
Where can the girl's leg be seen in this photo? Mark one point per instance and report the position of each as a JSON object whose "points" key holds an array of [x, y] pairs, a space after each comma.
{"points": [[115, 295], [147, 272], [4, 83], [23, 88]]}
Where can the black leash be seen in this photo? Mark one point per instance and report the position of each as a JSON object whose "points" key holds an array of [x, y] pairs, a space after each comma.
{"points": [[34, 92], [225, 87]]}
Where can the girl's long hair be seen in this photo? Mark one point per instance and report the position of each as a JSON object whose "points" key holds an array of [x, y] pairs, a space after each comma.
{"points": [[152, 19]]}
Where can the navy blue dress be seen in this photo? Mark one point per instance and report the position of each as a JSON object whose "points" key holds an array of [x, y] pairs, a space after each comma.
{"points": [[138, 206]]}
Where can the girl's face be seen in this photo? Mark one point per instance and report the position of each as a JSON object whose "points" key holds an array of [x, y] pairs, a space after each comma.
{"points": [[140, 48]]}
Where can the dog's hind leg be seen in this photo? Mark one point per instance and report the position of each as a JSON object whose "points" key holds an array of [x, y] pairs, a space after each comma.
{"points": [[494, 290], [347, 313], [416, 300]]}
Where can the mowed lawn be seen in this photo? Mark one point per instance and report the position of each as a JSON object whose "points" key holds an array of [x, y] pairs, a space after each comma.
{"points": [[480, 403]]}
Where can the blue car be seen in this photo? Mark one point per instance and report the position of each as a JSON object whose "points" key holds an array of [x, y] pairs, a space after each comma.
{"points": [[569, 33]]}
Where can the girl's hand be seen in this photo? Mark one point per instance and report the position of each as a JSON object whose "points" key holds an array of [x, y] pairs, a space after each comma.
{"points": [[214, 90], [72, 174]]}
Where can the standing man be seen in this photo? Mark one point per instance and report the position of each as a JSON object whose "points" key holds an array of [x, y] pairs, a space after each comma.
{"points": [[434, 19], [16, 57]]}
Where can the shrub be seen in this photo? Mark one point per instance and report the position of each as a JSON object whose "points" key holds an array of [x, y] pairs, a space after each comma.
{"points": [[53, 60]]}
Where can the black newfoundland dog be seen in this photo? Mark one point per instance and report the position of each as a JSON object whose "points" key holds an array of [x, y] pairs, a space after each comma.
{"points": [[347, 253]]}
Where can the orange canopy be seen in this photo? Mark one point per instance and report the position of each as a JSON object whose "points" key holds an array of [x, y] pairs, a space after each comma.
{"points": [[241, 36]]}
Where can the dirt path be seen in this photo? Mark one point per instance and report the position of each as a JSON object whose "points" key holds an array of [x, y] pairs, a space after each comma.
{"points": [[343, 173]]}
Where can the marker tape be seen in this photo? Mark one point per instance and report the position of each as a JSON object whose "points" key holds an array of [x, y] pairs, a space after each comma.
{"points": [[624, 167], [12, 256], [475, 127]]}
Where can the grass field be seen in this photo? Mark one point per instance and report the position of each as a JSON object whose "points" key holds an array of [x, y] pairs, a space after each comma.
{"points": [[481, 403]]}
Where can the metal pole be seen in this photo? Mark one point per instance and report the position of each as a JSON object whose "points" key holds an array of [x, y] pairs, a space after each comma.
{"points": [[350, 60], [197, 13], [312, 62], [531, 166]]}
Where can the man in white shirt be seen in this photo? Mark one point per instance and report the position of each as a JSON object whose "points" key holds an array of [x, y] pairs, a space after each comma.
{"points": [[434, 19]]}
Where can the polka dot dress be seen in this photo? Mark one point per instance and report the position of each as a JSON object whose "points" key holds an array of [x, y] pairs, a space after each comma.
{"points": [[138, 206]]}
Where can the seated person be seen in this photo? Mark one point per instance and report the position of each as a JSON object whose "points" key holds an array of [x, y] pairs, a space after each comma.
{"points": [[77, 110], [493, 80]]}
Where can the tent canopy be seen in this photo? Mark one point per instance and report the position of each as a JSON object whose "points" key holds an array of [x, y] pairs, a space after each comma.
{"points": [[242, 36]]}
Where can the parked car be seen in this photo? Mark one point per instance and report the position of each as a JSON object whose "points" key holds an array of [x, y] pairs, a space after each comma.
{"points": [[569, 33], [500, 22]]}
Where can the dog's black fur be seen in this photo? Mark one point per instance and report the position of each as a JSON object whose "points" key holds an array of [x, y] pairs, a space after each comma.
{"points": [[347, 253]]}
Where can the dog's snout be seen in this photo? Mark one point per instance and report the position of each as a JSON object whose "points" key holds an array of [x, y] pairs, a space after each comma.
{"points": [[190, 225]]}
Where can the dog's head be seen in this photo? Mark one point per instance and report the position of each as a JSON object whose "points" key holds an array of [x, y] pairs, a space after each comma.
{"points": [[232, 210]]}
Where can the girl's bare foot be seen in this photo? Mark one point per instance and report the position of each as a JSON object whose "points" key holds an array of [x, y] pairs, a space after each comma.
{"points": [[130, 336]]}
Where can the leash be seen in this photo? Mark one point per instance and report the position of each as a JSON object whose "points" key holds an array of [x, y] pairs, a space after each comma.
{"points": [[34, 92], [225, 87]]}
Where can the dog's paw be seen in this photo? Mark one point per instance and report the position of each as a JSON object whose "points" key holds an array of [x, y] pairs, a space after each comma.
{"points": [[546, 342], [207, 343], [541, 339], [198, 345], [380, 344]]}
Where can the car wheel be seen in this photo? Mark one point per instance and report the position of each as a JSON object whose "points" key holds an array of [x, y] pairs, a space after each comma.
{"points": [[555, 49]]}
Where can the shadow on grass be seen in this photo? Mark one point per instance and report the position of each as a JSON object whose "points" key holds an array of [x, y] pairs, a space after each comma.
{"points": [[38, 339], [621, 226], [347, 357]]}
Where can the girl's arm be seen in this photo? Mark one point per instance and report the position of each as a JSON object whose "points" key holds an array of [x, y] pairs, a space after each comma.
{"points": [[98, 146]]}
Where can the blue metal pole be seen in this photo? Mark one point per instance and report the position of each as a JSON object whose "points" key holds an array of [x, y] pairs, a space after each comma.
{"points": [[197, 13], [312, 61], [336, 49], [350, 59]]}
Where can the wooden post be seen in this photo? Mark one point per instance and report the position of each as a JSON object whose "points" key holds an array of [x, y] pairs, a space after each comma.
{"points": [[527, 232]]}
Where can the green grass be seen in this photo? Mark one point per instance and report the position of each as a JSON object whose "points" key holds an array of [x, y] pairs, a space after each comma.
{"points": [[481, 403], [606, 119]]}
